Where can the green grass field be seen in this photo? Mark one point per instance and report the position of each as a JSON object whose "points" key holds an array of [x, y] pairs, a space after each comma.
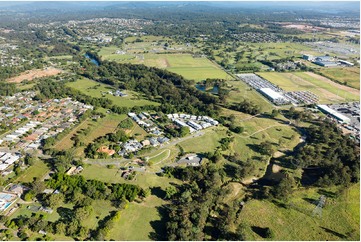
{"points": [[95, 89], [334, 88], [38, 169], [301, 81], [183, 64], [98, 128], [340, 217], [161, 156], [243, 92], [139, 221], [351, 75]]}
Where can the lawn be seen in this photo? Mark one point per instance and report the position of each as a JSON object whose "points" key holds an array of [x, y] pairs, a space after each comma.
{"points": [[139, 221], [350, 75], [38, 169], [99, 90], [206, 143], [340, 216], [194, 68], [161, 156]]}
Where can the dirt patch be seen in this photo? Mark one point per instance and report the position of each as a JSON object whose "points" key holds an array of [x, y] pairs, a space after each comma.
{"points": [[276, 168], [339, 86], [37, 73]]}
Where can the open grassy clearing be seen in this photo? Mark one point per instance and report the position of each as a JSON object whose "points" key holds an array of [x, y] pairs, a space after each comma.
{"points": [[101, 209], [244, 92], [96, 89], [67, 142], [300, 81], [104, 126], [38, 169], [97, 128], [139, 221], [206, 143], [297, 223], [113, 175], [183, 64], [349, 94], [137, 132], [161, 156], [350, 75]]}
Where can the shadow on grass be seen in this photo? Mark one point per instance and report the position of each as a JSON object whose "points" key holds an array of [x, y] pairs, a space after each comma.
{"points": [[260, 231], [341, 236], [158, 192], [159, 226], [310, 200], [66, 214], [327, 193]]}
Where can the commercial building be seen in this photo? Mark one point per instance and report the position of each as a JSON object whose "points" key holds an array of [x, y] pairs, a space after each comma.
{"points": [[273, 96], [334, 114]]}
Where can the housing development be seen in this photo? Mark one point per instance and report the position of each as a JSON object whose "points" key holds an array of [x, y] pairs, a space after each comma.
{"points": [[179, 121]]}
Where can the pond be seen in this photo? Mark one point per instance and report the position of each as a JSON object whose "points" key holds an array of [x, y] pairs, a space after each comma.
{"points": [[202, 88], [94, 61]]}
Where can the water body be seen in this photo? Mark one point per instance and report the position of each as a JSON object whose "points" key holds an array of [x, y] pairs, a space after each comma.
{"points": [[94, 61], [202, 88]]}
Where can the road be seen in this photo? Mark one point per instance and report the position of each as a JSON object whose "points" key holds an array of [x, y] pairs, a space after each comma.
{"points": [[119, 161]]}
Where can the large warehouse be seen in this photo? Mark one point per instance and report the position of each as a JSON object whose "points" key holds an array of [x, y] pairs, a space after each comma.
{"points": [[335, 114], [275, 97]]}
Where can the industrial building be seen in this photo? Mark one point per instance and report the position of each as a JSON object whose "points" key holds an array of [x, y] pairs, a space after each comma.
{"points": [[308, 57], [342, 118], [326, 63], [273, 96]]}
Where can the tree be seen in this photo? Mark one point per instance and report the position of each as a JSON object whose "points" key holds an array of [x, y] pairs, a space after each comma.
{"points": [[285, 188], [55, 200], [184, 131], [38, 186], [60, 228], [82, 213], [275, 113], [170, 192], [266, 148]]}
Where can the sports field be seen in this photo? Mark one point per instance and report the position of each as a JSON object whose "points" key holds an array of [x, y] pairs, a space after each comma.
{"points": [[96, 89], [350, 75], [340, 217], [327, 90]]}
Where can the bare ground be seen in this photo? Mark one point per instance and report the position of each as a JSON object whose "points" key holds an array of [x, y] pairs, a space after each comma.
{"points": [[37, 73]]}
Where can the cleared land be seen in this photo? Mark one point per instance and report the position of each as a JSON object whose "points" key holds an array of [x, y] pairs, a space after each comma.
{"points": [[96, 89], [32, 74], [327, 90], [350, 75], [340, 217]]}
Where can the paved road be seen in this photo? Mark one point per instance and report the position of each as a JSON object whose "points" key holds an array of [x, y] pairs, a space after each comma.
{"points": [[119, 161]]}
